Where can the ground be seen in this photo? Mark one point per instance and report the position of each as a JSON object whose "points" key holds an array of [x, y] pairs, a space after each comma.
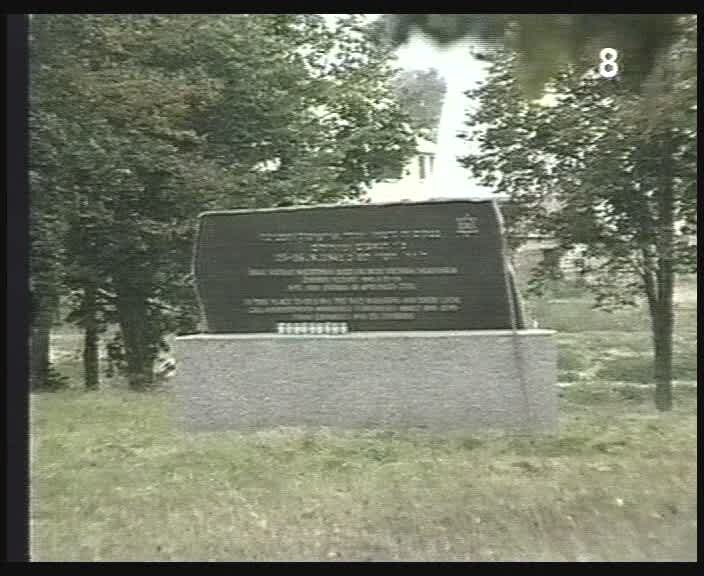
{"points": [[113, 478]]}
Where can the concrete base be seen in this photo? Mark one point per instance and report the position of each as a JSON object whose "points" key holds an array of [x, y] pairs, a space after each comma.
{"points": [[467, 381]]}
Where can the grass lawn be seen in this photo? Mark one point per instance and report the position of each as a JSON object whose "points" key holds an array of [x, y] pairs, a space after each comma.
{"points": [[113, 478], [616, 347]]}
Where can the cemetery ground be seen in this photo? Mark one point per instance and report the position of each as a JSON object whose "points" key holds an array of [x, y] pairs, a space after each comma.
{"points": [[112, 478]]}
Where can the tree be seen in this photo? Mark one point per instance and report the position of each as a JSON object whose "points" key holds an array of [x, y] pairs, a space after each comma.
{"points": [[73, 79], [621, 168], [544, 42], [47, 225], [45, 287], [421, 94], [164, 116]]}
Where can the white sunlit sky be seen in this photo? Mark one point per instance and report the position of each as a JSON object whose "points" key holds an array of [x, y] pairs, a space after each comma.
{"points": [[461, 72]]}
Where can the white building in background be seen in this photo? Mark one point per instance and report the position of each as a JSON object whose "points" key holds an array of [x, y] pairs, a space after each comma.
{"points": [[420, 181], [415, 181]]}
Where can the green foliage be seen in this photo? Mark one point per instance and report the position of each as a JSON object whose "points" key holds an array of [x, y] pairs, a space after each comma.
{"points": [[545, 42], [588, 170], [606, 171], [139, 122], [421, 94]]}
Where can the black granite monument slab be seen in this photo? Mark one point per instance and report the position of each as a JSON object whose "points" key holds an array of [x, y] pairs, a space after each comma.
{"points": [[435, 265]]}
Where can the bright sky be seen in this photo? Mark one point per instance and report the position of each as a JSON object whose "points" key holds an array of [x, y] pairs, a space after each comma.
{"points": [[461, 72], [420, 54]]}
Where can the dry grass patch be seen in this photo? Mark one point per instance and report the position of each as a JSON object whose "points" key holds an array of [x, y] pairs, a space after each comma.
{"points": [[112, 479]]}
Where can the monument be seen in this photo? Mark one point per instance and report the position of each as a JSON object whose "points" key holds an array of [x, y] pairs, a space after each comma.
{"points": [[382, 315]]}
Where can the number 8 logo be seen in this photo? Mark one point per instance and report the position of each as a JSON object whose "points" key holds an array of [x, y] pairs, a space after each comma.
{"points": [[608, 67]]}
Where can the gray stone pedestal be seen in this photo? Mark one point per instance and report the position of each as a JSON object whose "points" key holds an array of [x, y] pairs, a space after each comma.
{"points": [[463, 381]]}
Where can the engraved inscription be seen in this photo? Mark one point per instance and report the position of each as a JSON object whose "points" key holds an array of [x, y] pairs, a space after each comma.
{"points": [[467, 225], [378, 246], [417, 266], [357, 308]]}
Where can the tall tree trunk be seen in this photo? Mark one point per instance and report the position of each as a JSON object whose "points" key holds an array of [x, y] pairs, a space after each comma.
{"points": [[90, 345], [132, 316], [43, 316], [663, 318], [663, 359]]}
